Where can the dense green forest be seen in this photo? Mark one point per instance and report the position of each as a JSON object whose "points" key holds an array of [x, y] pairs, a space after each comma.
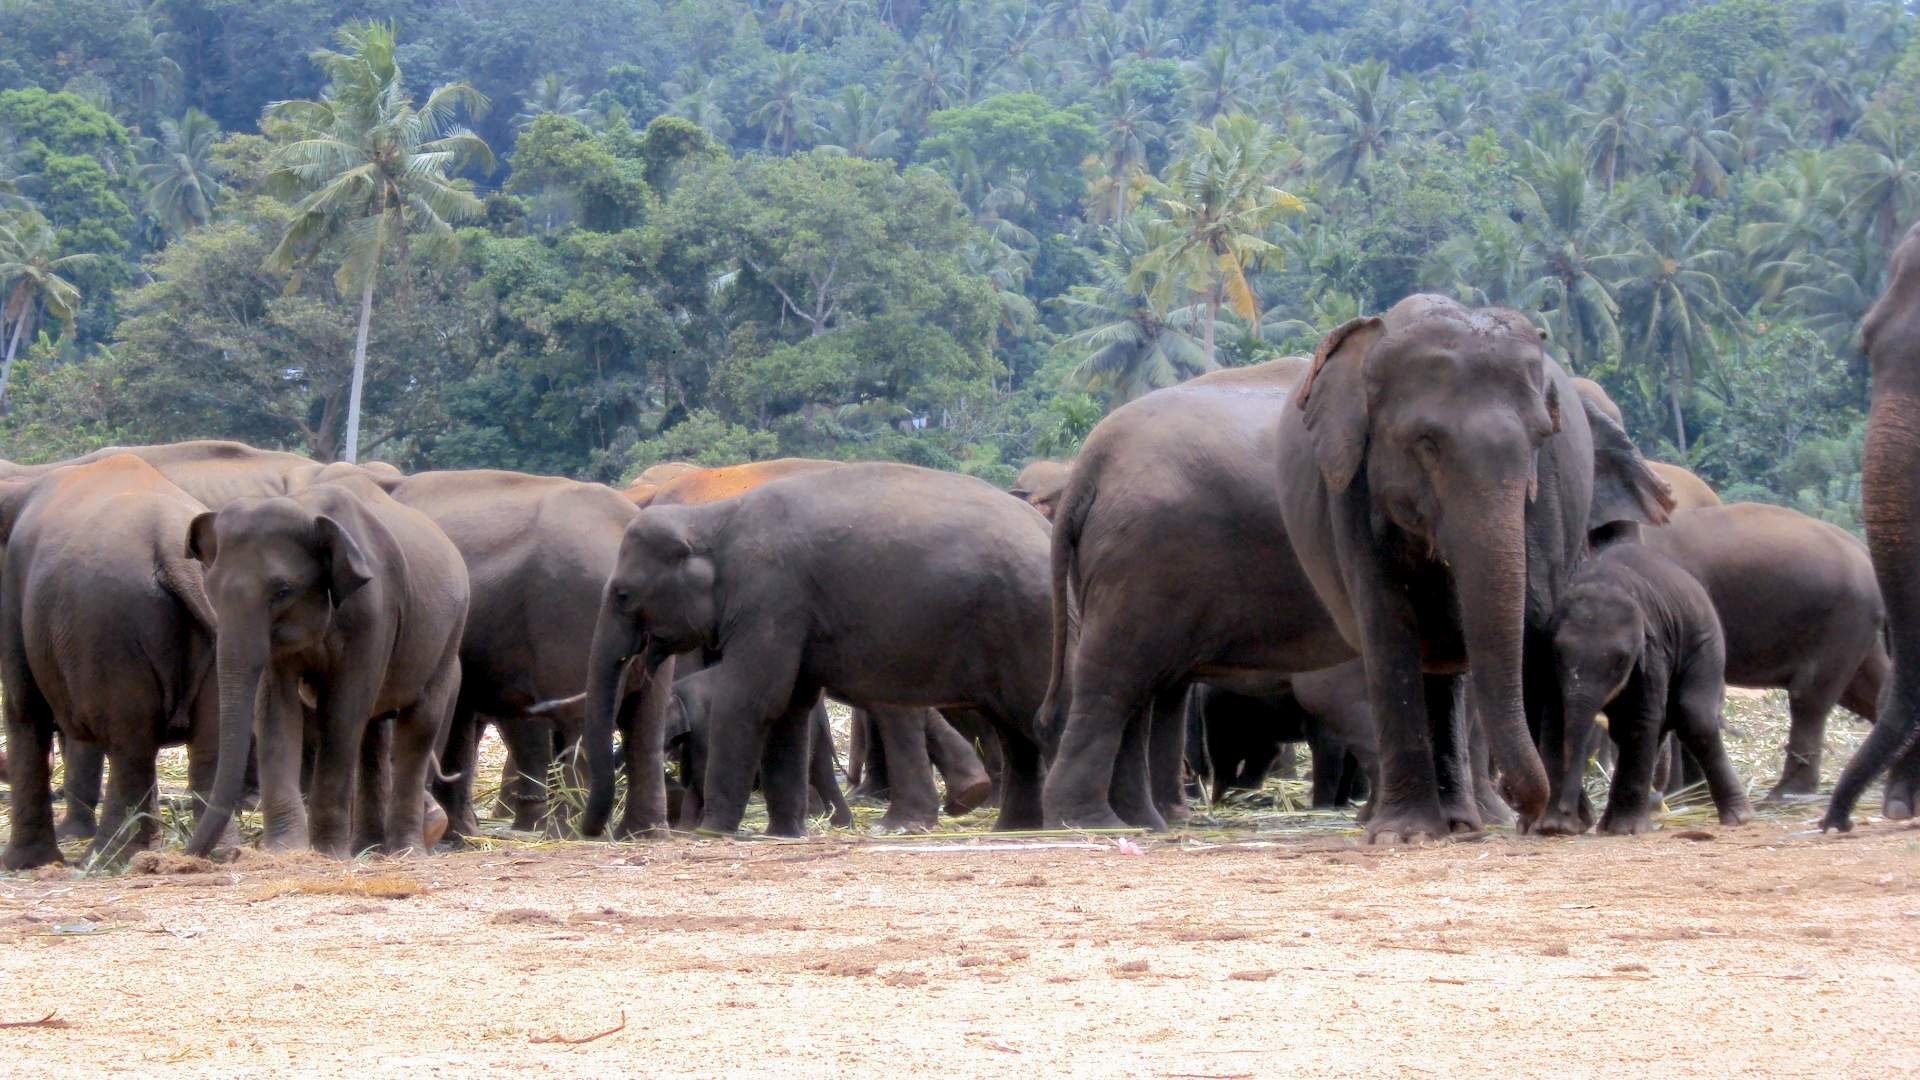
{"points": [[581, 238]]}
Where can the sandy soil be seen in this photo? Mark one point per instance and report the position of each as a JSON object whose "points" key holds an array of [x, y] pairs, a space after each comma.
{"points": [[1690, 952]]}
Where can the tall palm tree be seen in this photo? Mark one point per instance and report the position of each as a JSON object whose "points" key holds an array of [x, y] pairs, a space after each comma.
{"points": [[1797, 212], [1128, 134], [1363, 103], [1219, 82], [784, 110], [1214, 207], [1568, 227], [859, 124], [1127, 340], [1670, 287], [1702, 145], [1884, 175], [373, 168], [1618, 131], [31, 269], [183, 181], [550, 94], [701, 105]]}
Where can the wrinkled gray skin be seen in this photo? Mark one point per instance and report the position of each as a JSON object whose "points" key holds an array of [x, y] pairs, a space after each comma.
{"points": [[797, 586], [1041, 484], [106, 634], [341, 589], [899, 750], [212, 471], [538, 550], [1801, 612], [1439, 479], [1636, 637]]}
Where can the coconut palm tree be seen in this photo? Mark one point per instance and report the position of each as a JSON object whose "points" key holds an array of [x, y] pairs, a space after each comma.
{"points": [[1798, 211], [1884, 175], [1219, 82], [1212, 211], [372, 170], [32, 283], [1127, 341], [784, 110], [1697, 139], [1568, 227], [550, 94], [1128, 134], [1670, 287], [859, 124], [183, 181], [1363, 104], [1618, 131]]}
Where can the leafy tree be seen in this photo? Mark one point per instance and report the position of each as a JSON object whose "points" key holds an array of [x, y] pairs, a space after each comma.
{"points": [[32, 282], [1018, 139], [373, 168]]}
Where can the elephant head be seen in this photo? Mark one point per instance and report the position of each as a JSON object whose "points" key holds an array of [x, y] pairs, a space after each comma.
{"points": [[1440, 411], [1598, 636], [1041, 484], [276, 572], [661, 600]]}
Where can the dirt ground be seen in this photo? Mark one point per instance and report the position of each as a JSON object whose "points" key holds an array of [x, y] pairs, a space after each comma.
{"points": [[1257, 946]]}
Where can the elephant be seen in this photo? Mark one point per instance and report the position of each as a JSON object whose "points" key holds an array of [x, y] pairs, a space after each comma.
{"points": [[538, 550], [1041, 484], [1688, 491], [919, 742], [880, 584], [1636, 637], [688, 726], [683, 487], [1415, 497], [340, 591], [1890, 498], [107, 634], [1801, 611], [643, 487], [1240, 733]]}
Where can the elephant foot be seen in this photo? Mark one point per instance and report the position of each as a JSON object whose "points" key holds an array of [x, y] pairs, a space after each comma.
{"points": [[635, 829], [901, 828], [433, 825], [1559, 823], [1177, 816], [1737, 812], [464, 824], [530, 818], [842, 818], [31, 854], [1494, 809], [76, 826], [965, 798], [1098, 818], [1794, 784], [1408, 824], [1897, 808], [1626, 824]]}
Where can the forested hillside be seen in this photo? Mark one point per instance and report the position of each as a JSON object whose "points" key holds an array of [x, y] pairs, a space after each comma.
{"points": [[581, 238]]}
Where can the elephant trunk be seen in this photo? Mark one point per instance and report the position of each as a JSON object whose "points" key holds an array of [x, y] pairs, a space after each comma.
{"points": [[1488, 555], [239, 672], [614, 640]]}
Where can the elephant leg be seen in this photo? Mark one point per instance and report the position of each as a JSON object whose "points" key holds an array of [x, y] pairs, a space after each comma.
{"points": [[821, 773], [1111, 692], [1327, 758], [1286, 762], [526, 782], [737, 700], [82, 765], [1021, 780], [968, 785], [1634, 720], [415, 732], [278, 746], [643, 746], [30, 774], [1452, 750], [1696, 715], [876, 777], [914, 803], [1406, 804], [1166, 756], [1903, 787], [783, 769], [126, 825], [460, 759], [1130, 789], [373, 786], [693, 770], [1807, 706]]}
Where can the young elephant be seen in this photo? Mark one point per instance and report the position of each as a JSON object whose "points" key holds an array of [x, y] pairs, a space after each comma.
{"points": [[1636, 637], [688, 723], [105, 633], [338, 589], [879, 584]]}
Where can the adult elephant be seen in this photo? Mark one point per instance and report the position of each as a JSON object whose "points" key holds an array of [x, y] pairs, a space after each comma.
{"points": [[538, 550], [106, 634], [1890, 504], [338, 590], [680, 487], [1041, 484], [1431, 496], [1801, 611], [879, 584]]}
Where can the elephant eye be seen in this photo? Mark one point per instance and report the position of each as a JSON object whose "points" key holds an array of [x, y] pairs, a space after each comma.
{"points": [[279, 592]]}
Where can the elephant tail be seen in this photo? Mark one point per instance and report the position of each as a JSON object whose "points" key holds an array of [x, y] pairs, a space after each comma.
{"points": [[1068, 521]]}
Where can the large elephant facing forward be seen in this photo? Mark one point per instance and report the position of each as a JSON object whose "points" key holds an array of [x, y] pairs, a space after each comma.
{"points": [[1439, 480], [1890, 507]]}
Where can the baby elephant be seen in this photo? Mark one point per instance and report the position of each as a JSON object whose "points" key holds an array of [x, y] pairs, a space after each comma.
{"points": [[1636, 637]]}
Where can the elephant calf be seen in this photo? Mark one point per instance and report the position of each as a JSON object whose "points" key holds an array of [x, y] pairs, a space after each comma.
{"points": [[1636, 637], [106, 633], [340, 591]]}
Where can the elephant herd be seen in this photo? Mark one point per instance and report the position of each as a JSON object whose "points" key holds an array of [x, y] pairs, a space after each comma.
{"points": [[1426, 551]]}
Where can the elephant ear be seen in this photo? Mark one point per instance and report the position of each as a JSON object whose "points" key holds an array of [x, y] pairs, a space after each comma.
{"points": [[1334, 397], [201, 545], [346, 566], [1624, 489]]}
